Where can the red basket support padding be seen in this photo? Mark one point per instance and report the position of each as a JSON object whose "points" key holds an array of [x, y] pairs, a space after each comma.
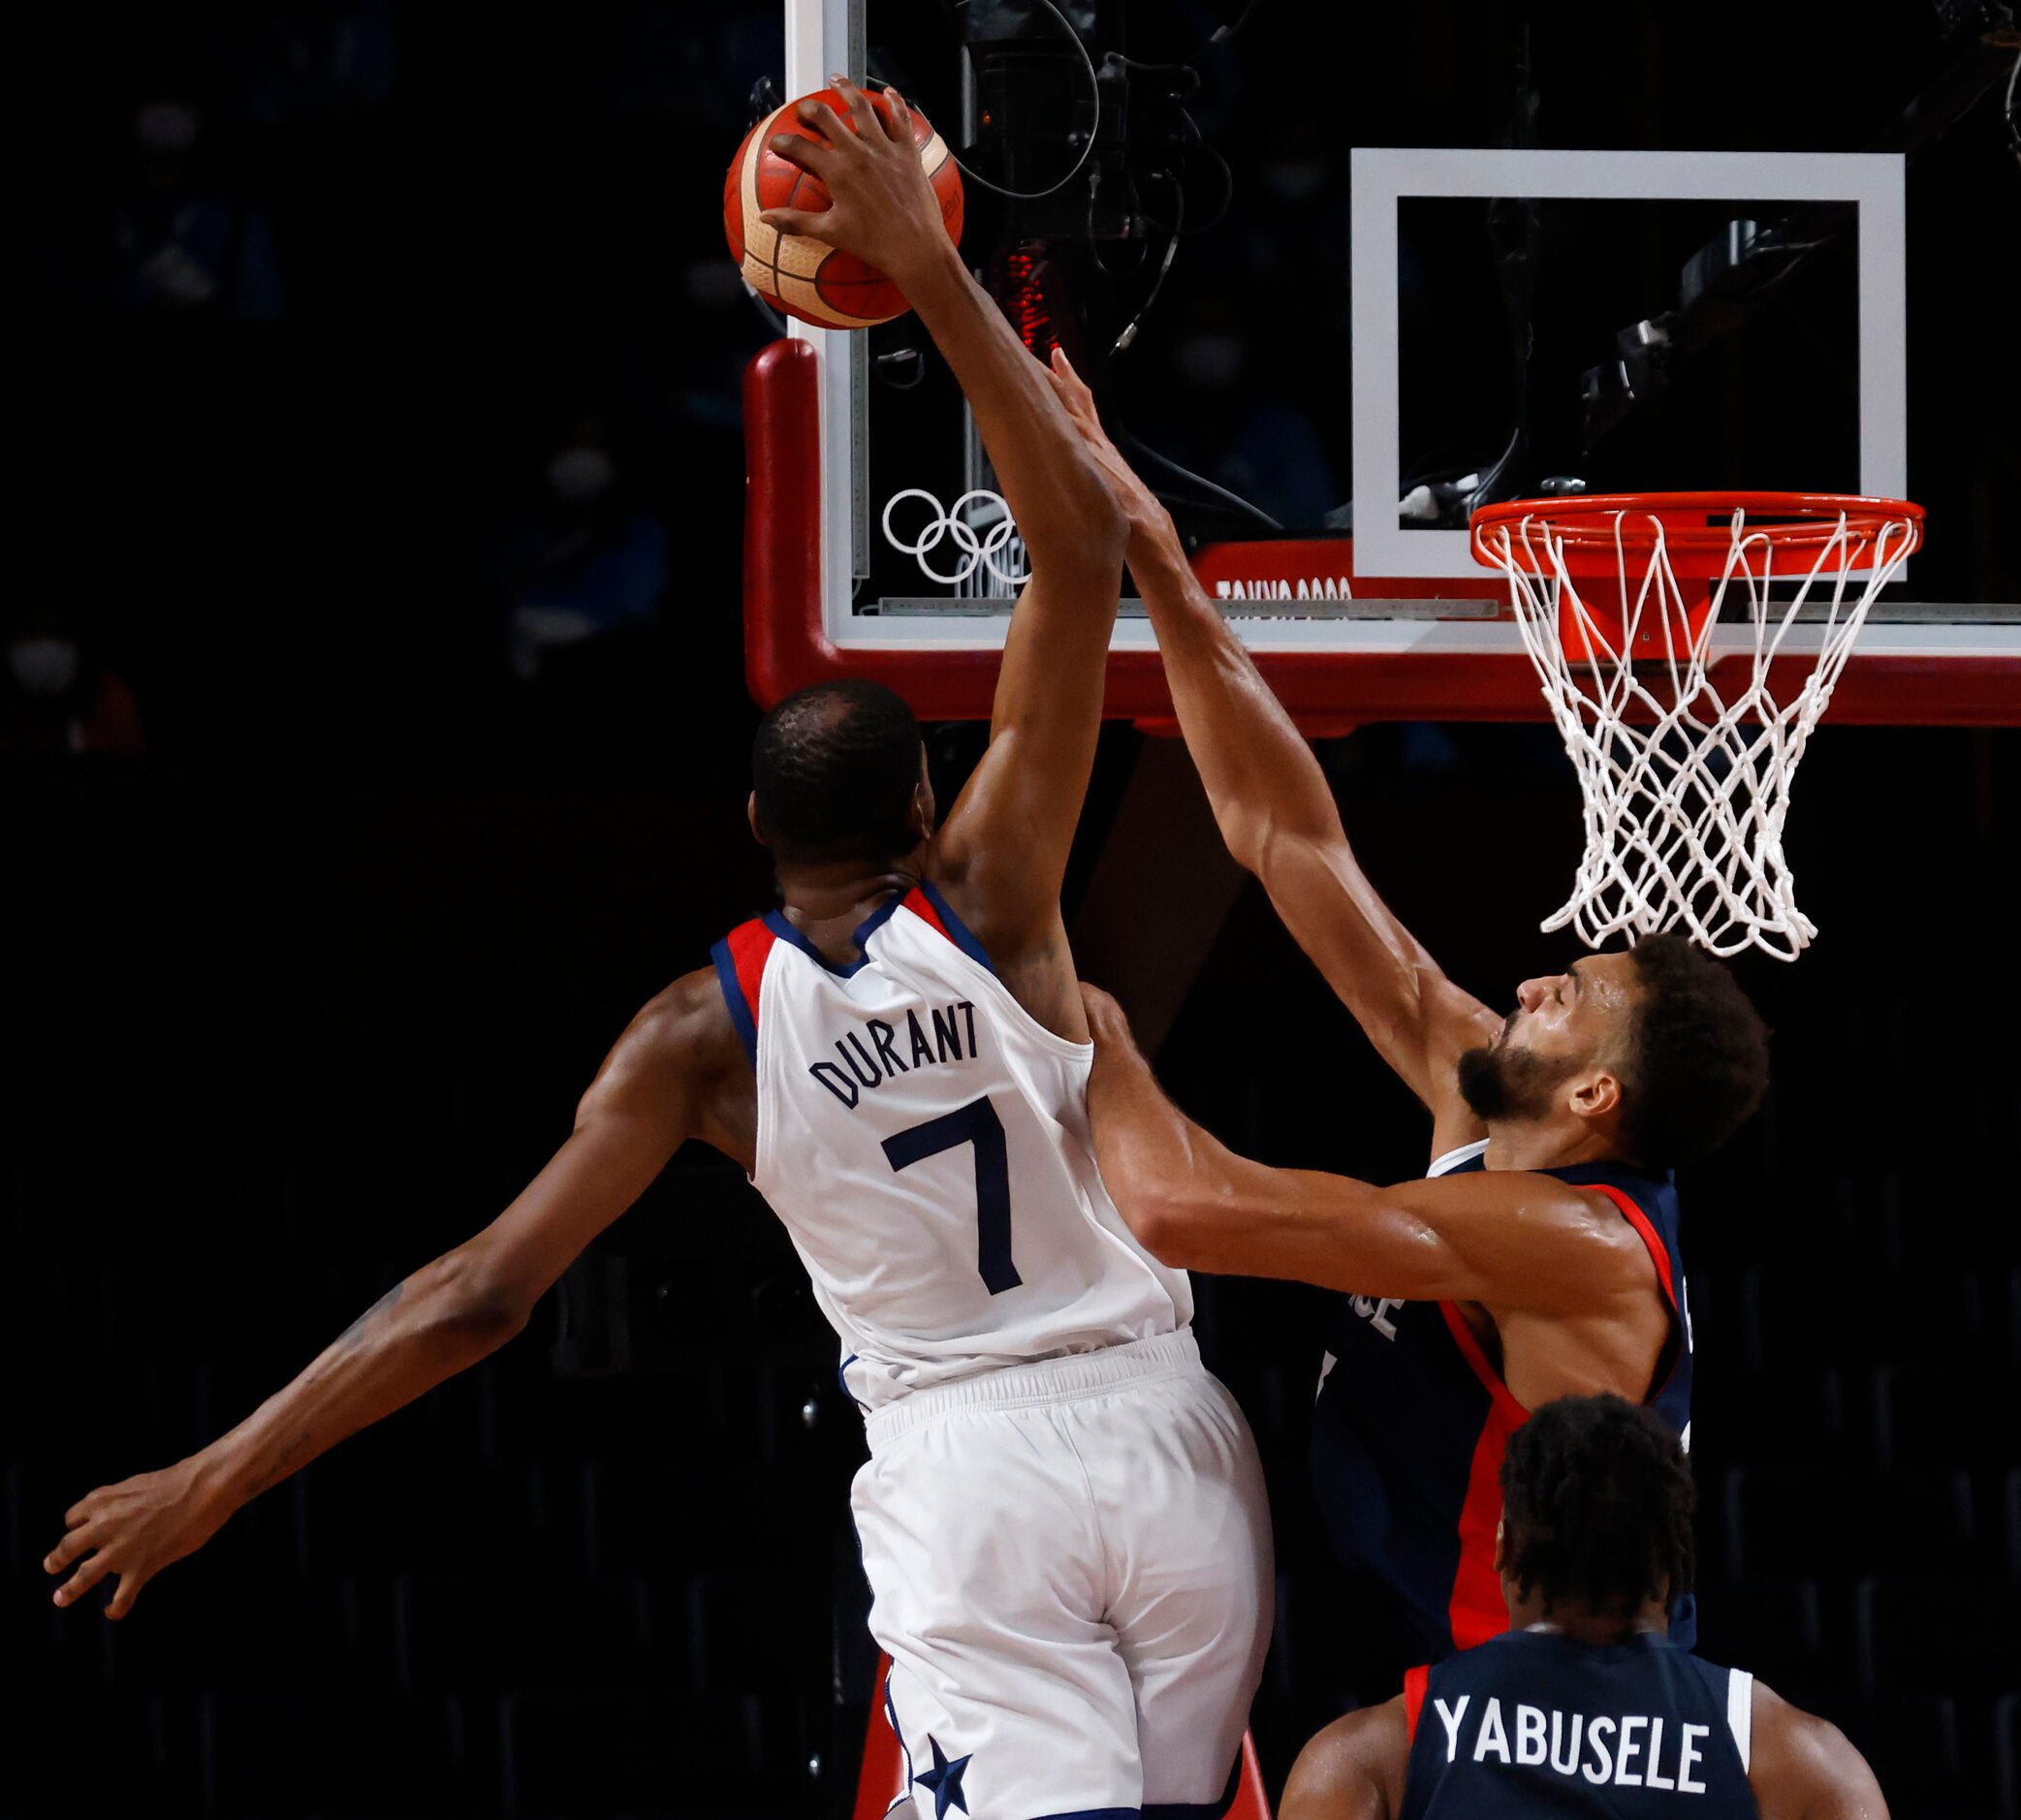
{"points": [[787, 646]]}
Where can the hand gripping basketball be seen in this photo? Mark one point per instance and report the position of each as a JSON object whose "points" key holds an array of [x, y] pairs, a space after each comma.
{"points": [[835, 201]]}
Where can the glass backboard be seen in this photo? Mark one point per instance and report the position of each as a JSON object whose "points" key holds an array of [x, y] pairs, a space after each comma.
{"points": [[1325, 341]]}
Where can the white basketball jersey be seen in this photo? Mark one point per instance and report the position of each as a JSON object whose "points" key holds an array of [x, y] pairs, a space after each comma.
{"points": [[926, 1142]]}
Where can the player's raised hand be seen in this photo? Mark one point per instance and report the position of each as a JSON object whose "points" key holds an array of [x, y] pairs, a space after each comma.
{"points": [[883, 207], [1139, 505], [134, 1530]]}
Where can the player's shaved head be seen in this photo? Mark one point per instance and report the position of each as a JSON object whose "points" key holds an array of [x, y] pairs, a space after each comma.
{"points": [[836, 769]]}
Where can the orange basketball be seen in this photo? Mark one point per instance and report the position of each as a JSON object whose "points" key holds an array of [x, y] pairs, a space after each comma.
{"points": [[818, 283]]}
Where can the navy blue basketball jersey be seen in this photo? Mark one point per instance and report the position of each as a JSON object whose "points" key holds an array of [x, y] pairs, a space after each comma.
{"points": [[1533, 1724], [1412, 1421]]}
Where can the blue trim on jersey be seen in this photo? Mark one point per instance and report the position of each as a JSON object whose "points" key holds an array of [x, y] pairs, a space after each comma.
{"points": [[775, 922], [891, 1712], [843, 1378], [965, 937], [957, 931], [733, 997]]}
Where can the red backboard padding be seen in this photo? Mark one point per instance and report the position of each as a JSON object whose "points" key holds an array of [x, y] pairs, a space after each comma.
{"points": [[787, 646]]}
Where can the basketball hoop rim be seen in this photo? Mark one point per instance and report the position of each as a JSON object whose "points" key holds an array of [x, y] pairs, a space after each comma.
{"points": [[1696, 528]]}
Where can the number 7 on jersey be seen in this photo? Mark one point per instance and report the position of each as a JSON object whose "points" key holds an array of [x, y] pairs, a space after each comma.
{"points": [[975, 1124]]}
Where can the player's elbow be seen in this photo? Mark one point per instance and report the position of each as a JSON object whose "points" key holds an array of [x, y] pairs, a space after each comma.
{"points": [[1246, 837], [1167, 1219], [1104, 530], [480, 1304], [1264, 841], [1084, 534]]}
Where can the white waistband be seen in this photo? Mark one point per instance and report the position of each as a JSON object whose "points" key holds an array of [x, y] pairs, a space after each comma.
{"points": [[1062, 1380]]}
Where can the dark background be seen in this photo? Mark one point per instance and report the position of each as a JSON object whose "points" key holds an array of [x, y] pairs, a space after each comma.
{"points": [[393, 782]]}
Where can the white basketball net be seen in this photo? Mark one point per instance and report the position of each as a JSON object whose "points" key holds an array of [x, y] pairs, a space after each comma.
{"points": [[1685, 812]]}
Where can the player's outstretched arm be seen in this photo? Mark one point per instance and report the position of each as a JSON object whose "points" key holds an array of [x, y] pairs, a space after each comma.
{"points": [[1003, 850], [1273, 805], [1803, 1768], [1354, 1770], [1508, 1239], [646, 1099]]}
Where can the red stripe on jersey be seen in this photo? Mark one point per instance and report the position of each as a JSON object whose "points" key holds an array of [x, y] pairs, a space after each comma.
{"points": [[921, 905], [1651, 1237], [1415, 1681], [1476, 1609], [1506, 1408], [750, 943]]}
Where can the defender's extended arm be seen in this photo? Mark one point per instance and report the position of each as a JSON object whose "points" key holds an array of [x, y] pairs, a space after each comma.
{"points": [[1274, 808], [1509, 1238]]}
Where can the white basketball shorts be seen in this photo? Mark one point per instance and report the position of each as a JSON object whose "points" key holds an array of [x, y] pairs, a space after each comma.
{"points": [[1071, 1569]]}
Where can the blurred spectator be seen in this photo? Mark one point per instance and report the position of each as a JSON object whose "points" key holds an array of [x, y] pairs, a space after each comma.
{"points": [[54, 693], [1228, 404], [587, 561], [316, 63], [1278, 461], [676, 62], [178, 248]]}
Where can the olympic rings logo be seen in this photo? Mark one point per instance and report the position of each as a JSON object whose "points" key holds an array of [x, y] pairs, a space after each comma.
{"points": [[956, 525]]}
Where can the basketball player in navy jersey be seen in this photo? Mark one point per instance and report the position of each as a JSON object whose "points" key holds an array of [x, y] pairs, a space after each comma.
{"points": [[1542, 1259], [1063, 1516], [1579, 1707]]}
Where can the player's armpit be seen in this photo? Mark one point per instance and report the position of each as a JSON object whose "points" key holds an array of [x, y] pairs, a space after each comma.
{"points": [[1354, 1770], [1803, 1768]]}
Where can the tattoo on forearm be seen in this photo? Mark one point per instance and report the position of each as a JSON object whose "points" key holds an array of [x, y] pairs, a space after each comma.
{"points": [[286, 1458], [353, 1335]]}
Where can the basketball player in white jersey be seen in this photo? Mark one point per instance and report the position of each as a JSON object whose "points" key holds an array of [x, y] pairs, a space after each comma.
{"points": [[1062, 1517]]}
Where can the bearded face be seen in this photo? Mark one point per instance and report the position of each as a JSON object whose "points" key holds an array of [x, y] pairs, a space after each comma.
{"points": [[1503, 1083]]}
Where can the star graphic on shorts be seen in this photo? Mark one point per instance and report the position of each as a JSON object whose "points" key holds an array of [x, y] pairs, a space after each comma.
{"points": [[943, 1781]]}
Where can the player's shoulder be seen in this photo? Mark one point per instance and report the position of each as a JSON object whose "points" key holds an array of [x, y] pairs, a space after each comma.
{"points": [[1352, 1770], [687, 1022], [1579, 1210], [1608, 1227], [1800, 1764]]}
